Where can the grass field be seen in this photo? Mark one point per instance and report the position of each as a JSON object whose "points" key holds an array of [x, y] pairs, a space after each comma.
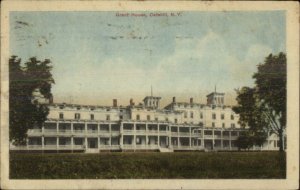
{"points": [[184, 165]]}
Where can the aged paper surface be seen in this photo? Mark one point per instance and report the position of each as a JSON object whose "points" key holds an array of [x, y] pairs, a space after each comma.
{"points": [[154, 10]]}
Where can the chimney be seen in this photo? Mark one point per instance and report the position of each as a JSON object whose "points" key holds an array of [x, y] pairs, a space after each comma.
{"points": [[174, 99], [51, 99], [191, 101], [115, 103], [131, 102]]}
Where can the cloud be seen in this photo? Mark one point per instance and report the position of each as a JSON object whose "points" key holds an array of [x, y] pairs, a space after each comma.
{"points": [[194, 67], [199, 64]]}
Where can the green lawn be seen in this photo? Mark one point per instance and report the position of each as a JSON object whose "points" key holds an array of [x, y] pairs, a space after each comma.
{"points": [[187, 165]]}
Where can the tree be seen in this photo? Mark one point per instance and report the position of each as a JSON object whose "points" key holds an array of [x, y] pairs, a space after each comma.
{"points": [[263, 108], [270, 81], [28, 83], [250, 110]]}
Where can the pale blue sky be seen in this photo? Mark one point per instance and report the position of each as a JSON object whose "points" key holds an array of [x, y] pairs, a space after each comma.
{"points": [[98, 56]]}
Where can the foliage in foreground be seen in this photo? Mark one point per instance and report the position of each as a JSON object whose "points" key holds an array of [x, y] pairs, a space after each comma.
{"points": [[222, 165], [263, 107], [26, 82]]}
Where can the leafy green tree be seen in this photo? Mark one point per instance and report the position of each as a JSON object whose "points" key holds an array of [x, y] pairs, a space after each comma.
{"points": [[270, 81], [263, 108], [28, 83], [250, 110]]}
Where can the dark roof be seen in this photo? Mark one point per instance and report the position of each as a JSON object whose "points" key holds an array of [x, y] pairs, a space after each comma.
{"points": [[154, 97], [216, 93]]}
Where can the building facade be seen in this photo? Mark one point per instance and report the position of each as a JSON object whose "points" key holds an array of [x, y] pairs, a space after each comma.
{"points": [[180, 126]]}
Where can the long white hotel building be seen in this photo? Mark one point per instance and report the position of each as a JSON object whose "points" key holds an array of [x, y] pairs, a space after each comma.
{"points": [[180, 126]]}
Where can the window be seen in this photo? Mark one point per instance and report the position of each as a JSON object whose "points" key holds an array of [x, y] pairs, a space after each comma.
{"points": [[61, 116], [121, 116], [222, 116], [213, 124], [148, 118], [92, 116], [167, 119], [201, 115], [77, 116], [175, 121], [138, 117], [192, 114], [223, 125], [156, 119], [107, 117], [185, 115], [232, 117], [232, 125], [213, 116]]}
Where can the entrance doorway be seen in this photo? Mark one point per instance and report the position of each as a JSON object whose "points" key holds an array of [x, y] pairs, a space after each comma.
{"points": [[92, 143]]}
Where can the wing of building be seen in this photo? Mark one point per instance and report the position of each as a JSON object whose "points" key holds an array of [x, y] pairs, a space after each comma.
{"points": [[180, 126]]}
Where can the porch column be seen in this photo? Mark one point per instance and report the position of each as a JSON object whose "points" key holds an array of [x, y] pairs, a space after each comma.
{"points": [[178, 132], [57, 127], [229, 140], [27, 142], [283, 139], [190, 139], [134, 135], [57, 143], [203, 139], [147, 138], [72, 141], [85, 142], [213, 141], [222, 139], [170, 140], [43, 142], [72, 131], [109, 134], [158, 137], [43, 129], [85, 127], [98, 138], [121, 137]]}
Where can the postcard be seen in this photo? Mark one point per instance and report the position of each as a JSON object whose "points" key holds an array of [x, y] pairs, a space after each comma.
{"points": [[149, 95]]}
